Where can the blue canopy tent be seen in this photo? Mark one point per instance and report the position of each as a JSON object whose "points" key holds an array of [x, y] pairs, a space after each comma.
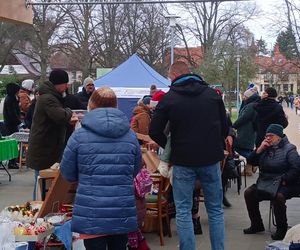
{"points": [[131, 80]]}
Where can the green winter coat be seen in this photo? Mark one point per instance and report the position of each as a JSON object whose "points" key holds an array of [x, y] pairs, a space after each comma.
{"points": [[244, 125], [47, 134]]}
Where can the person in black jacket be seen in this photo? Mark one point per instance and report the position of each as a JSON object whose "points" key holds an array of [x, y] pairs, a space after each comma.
{"points": [[11, 114], [268, 111], [197, 118], [86, 92], [275, 156]]}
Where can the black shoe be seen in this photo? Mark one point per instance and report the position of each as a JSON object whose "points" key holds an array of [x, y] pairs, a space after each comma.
{"points": [[254, 229], [226, 203], [197, 226], [279, 234]]}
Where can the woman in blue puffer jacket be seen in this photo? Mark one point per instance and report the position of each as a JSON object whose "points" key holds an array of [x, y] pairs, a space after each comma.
{"points": [[103, 156]]}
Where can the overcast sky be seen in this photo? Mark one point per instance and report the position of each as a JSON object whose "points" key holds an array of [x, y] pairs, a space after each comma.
{"points": [[262, 26]]}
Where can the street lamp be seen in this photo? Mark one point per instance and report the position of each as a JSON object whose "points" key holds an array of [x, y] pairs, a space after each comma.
{"points": [[172, 23], [238, 59]]}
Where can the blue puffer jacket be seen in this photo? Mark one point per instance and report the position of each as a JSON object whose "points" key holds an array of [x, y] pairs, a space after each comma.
{"points": [[104, 157]]}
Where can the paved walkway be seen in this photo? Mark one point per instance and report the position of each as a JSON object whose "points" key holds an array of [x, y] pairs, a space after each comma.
{"points": [[20, 190]]}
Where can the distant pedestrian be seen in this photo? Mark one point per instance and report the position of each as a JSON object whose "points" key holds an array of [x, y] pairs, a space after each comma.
{"points": [[286, 98], [297, 104], [291, 98], [86, 92]]}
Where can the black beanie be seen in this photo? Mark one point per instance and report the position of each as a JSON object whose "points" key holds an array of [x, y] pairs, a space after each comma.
{"points": [[58, 76], [275, 129], [271, 92]]}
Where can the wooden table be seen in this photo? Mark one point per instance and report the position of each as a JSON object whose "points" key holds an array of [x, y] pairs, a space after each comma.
{"points": [[8, 151]]}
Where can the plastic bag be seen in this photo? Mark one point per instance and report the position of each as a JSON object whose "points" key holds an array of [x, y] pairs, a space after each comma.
{"points": [[7, 237]]}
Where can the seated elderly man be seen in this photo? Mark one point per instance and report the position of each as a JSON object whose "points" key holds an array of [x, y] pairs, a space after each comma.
{"points": [[278, 159]]}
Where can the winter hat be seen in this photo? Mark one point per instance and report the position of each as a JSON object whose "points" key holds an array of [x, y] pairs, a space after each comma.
{"points": [[146, 100], [271, 92], [250, 92], [275, 129], [28, 84], [158, 95], [58, 76], [87, 81]]}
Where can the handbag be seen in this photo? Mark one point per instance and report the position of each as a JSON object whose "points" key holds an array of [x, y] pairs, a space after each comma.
{"points": [[230, 169], [268, 183]]}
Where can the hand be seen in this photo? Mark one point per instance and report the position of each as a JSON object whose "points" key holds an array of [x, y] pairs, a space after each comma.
{"points": [[74, 119], [263, 146], [152, 145]]}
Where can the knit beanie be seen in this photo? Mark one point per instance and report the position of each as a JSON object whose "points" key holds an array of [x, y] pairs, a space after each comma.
{"points": [[158, 95], [87, 81], [275, 129], [58, 76], [28, 84], [271, 92], [250, 92]]}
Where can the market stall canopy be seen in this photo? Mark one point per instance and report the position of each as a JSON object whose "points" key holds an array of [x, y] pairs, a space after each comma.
{"points": [[132, 79], [16, 11]]}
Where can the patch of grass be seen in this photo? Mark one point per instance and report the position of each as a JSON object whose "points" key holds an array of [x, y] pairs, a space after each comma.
{"points": [[234, 116]]}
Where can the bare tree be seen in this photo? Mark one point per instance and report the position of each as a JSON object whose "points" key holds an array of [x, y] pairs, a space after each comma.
{"points": [[212, 21], [42, 43], [79, 36], [11, 36]]}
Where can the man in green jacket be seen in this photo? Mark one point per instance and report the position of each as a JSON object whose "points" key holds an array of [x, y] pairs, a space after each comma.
{"points": [[47, 134]]}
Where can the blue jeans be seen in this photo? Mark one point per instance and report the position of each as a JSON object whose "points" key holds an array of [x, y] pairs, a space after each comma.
{"points": [[183, 184], [36, 174]]}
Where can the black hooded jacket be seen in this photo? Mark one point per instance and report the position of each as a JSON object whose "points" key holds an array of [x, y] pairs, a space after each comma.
{"points": [[84, 97], [197, 119], [11, 109], [268, 112]]}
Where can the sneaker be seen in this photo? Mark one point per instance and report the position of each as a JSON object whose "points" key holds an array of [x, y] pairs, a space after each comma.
{"points": [[254, 229], [279, 234], [197, 226]]}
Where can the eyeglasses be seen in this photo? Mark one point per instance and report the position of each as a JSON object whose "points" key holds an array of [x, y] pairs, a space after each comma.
{"points": [[92, 85], [269, 136]]}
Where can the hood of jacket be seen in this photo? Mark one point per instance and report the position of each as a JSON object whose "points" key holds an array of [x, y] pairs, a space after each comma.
{"points": [[253, 98], [48, 88], [141, 108], [12, 89], [267, 108], [189, 84], [106, 122]]}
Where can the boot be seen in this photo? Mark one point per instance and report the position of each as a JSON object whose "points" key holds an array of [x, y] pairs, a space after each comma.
{"points": [[279, 234], [197, 226], [226, 203], [247, 170], [254, 229]]}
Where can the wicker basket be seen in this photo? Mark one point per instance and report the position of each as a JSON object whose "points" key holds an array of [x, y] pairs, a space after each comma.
{"points": [[150, 225]]}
